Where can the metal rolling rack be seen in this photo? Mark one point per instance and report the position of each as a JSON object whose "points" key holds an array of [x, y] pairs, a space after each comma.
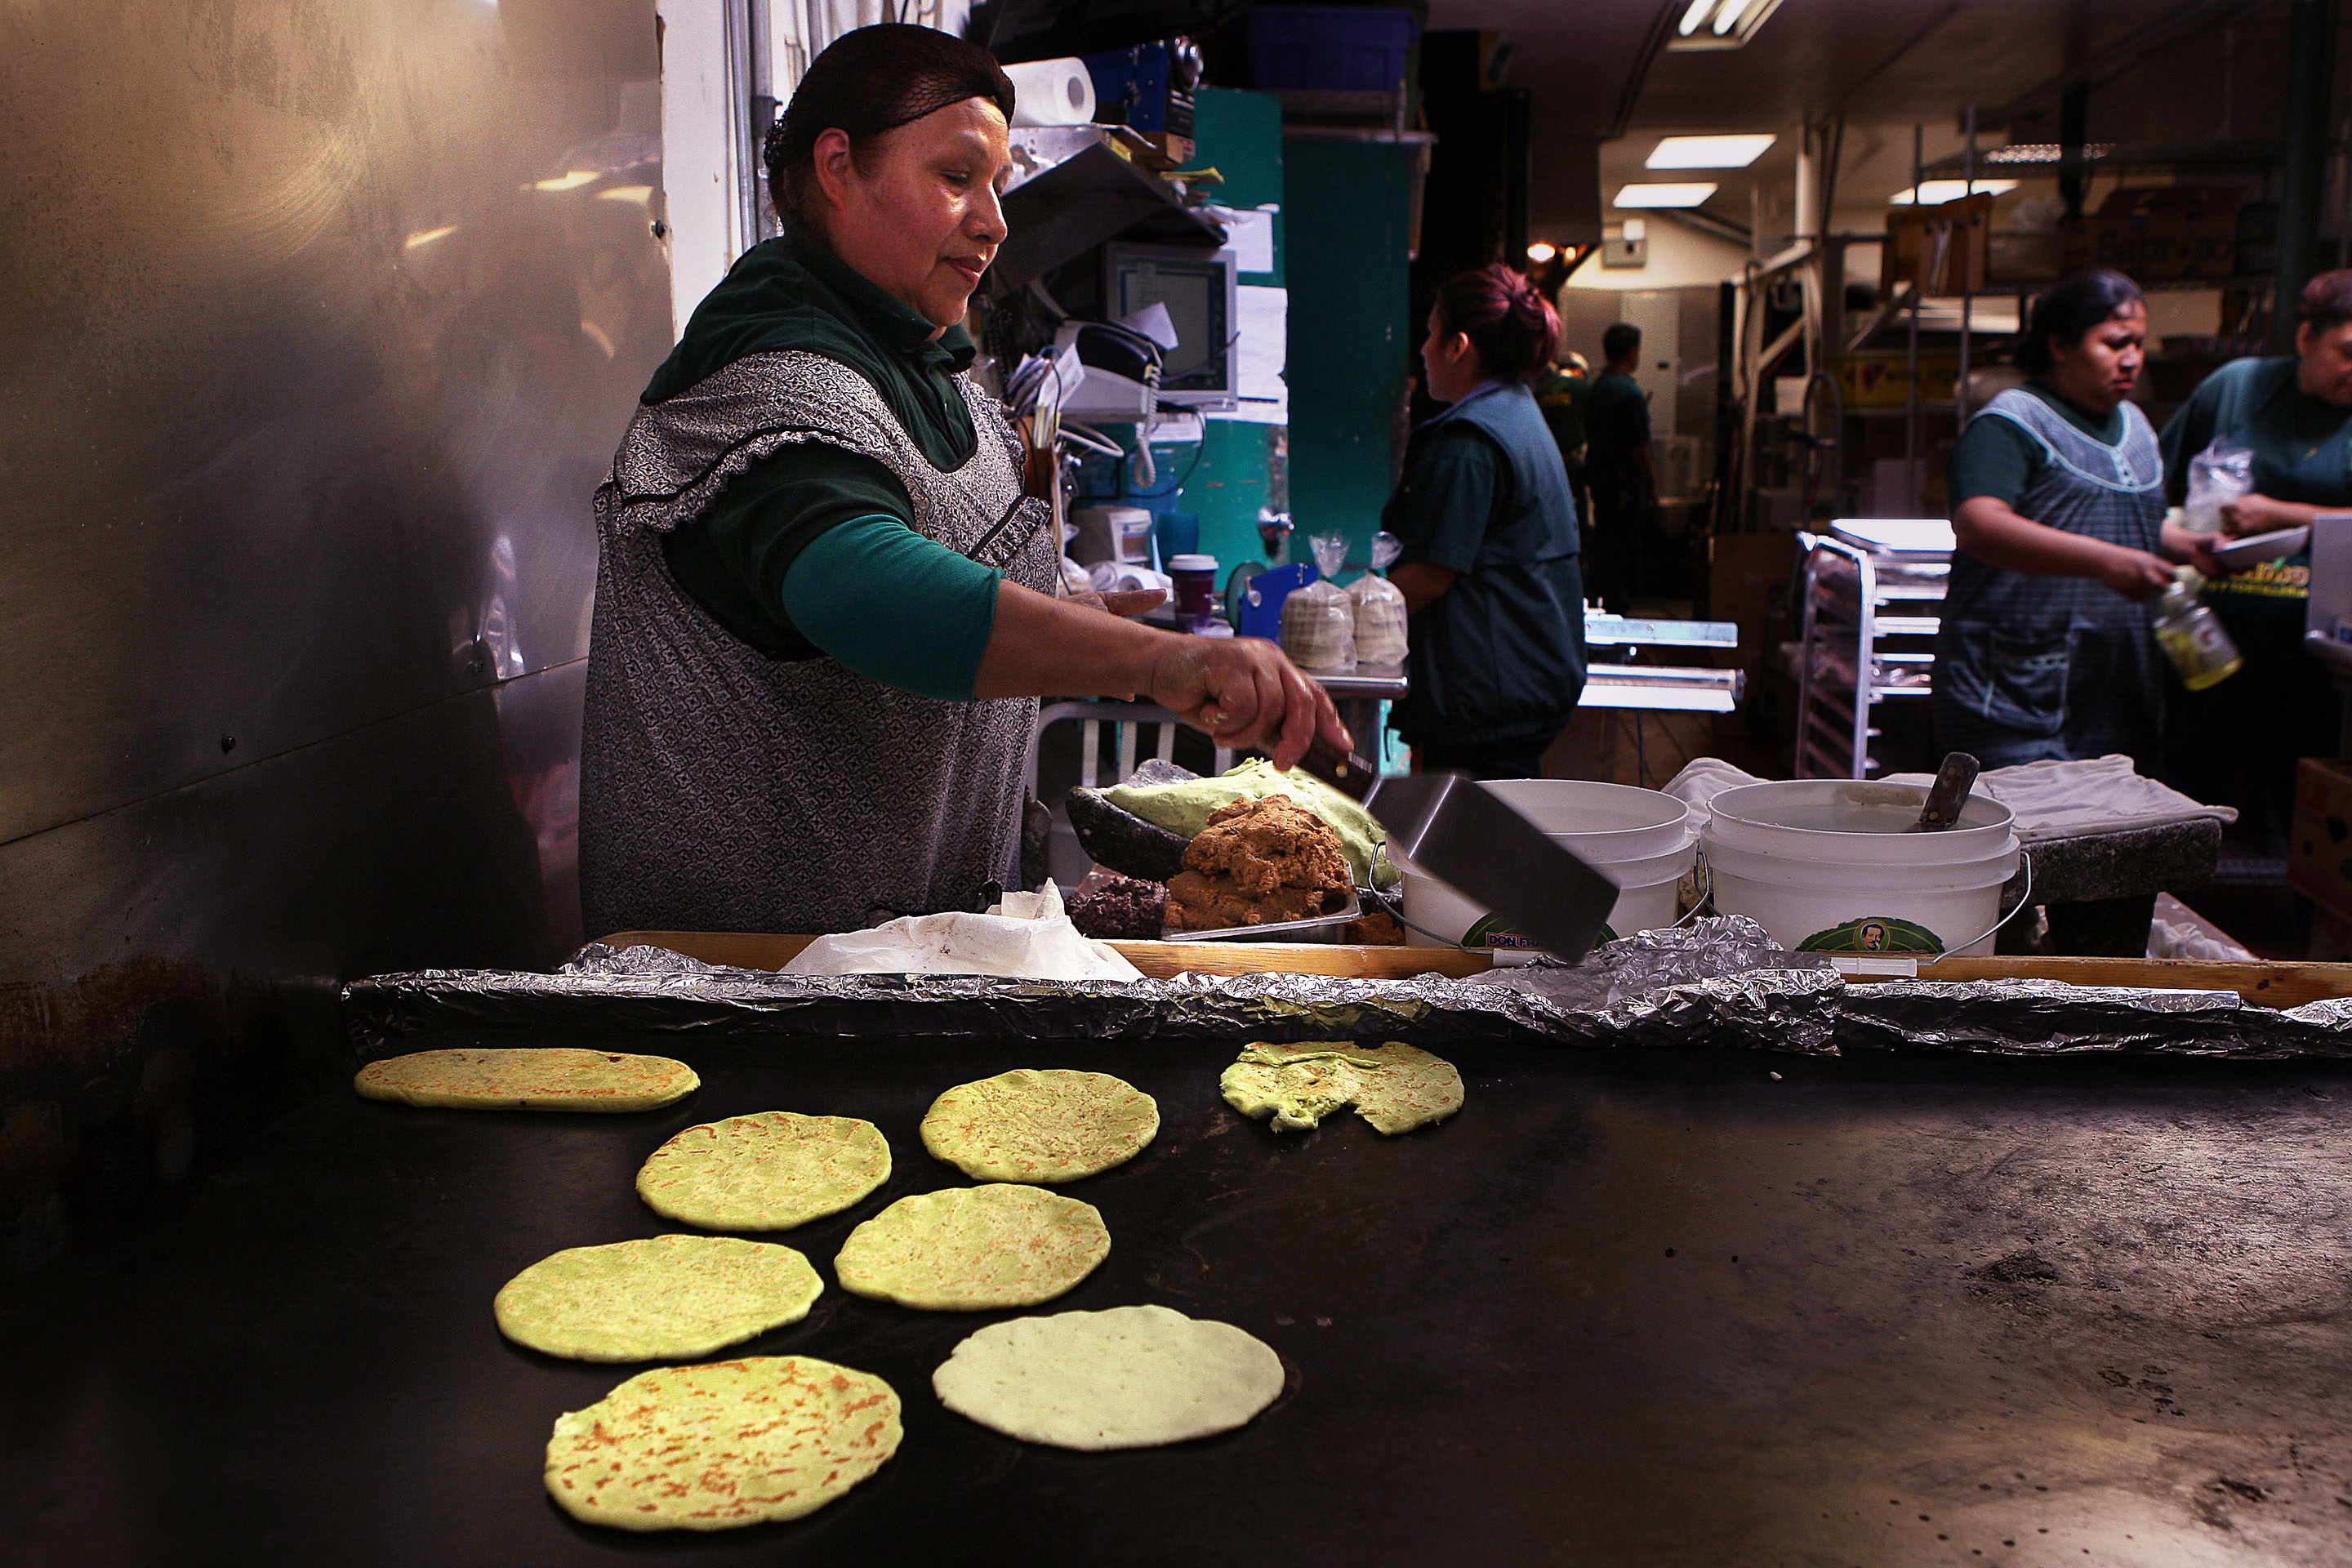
{"points": [[1871, 588]]}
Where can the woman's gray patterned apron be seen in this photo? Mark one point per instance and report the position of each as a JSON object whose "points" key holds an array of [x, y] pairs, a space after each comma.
{"points": [[723, 789], [2030, 667]]}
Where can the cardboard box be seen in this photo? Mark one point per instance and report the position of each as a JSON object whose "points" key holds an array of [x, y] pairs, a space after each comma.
{"points": [[1946, 249], [2161, 233], [2319, 857]]}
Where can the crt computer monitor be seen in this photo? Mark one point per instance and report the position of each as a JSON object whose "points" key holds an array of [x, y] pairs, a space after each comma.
{"points": [[1198, 287]]}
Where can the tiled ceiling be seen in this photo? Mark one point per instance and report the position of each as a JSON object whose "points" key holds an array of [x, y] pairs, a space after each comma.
{"points": [[1596, 70]]}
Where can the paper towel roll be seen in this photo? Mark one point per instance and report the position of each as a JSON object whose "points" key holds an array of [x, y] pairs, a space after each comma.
{"points": [[1051, 92]]}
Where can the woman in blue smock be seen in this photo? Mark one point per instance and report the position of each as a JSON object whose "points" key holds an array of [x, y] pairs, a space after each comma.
{"points": [[1489, 569], [2045, 651]]}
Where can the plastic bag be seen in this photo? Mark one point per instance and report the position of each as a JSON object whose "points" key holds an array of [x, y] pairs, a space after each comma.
{"points": [[2221, 473], [1319, 621], [1380, 619]]}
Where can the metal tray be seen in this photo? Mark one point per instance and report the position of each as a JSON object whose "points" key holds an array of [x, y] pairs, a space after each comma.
{"points": [[1322, 928], [2254, 549]]}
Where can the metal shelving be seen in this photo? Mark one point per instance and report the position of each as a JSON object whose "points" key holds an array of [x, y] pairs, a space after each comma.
{"points": [[1867, 637]]}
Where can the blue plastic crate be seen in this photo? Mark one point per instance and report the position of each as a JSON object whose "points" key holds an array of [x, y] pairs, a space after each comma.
{"points": [[1328, 48]]}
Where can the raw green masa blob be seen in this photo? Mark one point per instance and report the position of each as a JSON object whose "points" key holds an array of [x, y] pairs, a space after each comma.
{"points": [[1395, 1087], [1184, 809]]}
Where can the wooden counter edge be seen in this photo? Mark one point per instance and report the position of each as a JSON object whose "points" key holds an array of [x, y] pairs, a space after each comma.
{"points": [[2269, 984], [1157, 959]]}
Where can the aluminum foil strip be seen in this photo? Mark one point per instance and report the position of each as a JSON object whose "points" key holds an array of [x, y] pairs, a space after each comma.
{"points": [[1719, 984]]}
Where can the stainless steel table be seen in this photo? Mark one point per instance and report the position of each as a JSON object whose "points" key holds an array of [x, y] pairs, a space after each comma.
{"points": [[1357, 695], [1660, 687]]}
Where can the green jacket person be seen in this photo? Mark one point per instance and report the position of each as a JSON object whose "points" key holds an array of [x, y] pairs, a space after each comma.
{"points": [[824, 607]]}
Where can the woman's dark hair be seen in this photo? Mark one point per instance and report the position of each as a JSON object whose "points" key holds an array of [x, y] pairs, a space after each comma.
{"points": [[1505, 318], [866, 82], [2326, 300], [2069, 311]]}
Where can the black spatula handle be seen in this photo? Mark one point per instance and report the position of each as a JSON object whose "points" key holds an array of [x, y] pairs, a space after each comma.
{"points": [[1949, 793], [1351, 774]]}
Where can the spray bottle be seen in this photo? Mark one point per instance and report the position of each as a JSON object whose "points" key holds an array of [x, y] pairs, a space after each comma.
{"points": [[2192, 636]]}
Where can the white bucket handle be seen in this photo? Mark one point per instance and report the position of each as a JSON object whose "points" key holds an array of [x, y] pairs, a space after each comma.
{"points": [[1705, 875], [2024, 860]]}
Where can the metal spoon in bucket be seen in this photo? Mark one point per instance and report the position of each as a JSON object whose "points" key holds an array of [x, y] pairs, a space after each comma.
{"points": [[1948, 793]]}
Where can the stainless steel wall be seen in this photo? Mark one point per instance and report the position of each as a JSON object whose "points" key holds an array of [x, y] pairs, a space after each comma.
{"points": [[318, 319]]}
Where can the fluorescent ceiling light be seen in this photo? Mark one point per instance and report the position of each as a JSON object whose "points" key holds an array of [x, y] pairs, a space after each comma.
{"points": [[426, 237], [571, 180], [1708, 152], [1719, 23], [625, 194], [1936, 192], [1693, 193]]}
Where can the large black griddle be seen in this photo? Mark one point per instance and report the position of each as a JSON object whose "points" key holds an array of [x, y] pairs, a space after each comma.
{"points": [[1664, 1309]]}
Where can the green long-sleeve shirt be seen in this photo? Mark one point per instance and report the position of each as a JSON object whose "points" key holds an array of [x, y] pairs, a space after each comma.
{"points": [[880, 598]]}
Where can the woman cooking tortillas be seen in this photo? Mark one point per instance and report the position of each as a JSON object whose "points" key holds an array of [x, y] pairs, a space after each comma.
{"points": [[824, 607]]}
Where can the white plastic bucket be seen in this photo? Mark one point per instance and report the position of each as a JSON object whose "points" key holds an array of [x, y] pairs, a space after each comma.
{"points": [[1833, 865], [1639, 839]]}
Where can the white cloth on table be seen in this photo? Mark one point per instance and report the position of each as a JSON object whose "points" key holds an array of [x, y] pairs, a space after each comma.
{"points": [[2051, 800], [1701, 780], [2093, 794], [1026, 937]]}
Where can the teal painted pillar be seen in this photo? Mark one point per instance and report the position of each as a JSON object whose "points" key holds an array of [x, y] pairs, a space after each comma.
{"points": [[1346, 207], [1227, 476]]}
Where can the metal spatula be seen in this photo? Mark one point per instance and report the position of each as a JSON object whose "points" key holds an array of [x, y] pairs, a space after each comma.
{"points": [[1464, 834]]}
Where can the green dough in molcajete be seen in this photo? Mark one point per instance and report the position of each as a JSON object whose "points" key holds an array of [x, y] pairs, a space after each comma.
{"points": [[1184, 809], [1395, 1087]]}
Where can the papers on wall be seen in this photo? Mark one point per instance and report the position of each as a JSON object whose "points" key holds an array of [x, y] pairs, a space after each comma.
{"points": [[1263, 345], [1249, 235]]}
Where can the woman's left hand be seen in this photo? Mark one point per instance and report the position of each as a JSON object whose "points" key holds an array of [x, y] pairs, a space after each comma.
{"points": [[1127, 603], [2196, 549]]}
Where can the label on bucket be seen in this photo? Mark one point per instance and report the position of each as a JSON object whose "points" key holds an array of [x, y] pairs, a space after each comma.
{"points": [[1491, 932], [1874, 933]]}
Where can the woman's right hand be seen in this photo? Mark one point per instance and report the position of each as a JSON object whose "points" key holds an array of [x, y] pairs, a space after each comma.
{"points": [[1245, 691], [2135, 574]]}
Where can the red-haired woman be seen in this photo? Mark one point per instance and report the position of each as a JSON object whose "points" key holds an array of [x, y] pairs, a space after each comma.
{"points": [[1489, 570]]}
